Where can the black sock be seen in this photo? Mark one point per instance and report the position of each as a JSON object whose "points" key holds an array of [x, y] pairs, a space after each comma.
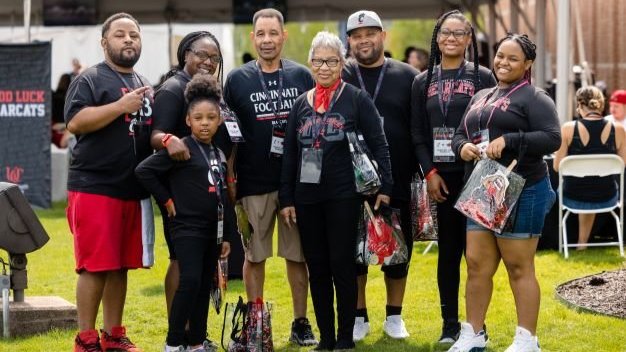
{"points": [[362, 312], [393, 310]]}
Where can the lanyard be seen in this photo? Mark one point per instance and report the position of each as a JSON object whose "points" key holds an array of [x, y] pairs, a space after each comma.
{"points": [[128, 86], [218, 179], [268, 98], [485, 102], [444, 107], [318, 128], [378, 83]]}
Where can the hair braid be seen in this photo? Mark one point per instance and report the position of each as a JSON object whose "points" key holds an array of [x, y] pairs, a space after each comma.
{"points": [[476, 77]]}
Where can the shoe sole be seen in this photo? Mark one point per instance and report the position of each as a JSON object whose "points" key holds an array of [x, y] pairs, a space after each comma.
{"points": [[302, 343]]}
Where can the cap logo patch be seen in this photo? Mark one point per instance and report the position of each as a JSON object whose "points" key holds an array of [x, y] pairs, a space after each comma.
{"points": [[361, 16]]}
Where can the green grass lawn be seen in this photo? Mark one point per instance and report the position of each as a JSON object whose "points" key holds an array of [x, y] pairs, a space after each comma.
{"points": [[50, 272]]}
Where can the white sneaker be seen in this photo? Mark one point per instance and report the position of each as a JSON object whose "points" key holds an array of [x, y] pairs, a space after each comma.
{"points": [[469, 341], [394, 327], [361, 329], [169, 348], [524, 341]]}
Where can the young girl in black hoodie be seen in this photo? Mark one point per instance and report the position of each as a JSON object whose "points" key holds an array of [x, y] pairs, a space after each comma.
{"points": [[203, 220]]}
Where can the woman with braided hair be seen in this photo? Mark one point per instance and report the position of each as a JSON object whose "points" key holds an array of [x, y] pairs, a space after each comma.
{"points": [[436, 111], [514, 120], [198, 53]]}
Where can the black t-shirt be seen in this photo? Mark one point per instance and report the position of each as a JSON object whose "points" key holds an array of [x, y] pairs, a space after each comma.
{"points": [[103, 161], [427, 116], [187, 184], [171, 110], [394, 106], [526, 119], [258, 172], [353, 110]]}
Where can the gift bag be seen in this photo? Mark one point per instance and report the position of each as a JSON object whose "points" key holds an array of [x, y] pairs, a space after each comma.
{"points": [[381, 241], [243, 225], [220, 283], [366, 176], [233, 327], [423, 212], [259, 327], [490, 194]]}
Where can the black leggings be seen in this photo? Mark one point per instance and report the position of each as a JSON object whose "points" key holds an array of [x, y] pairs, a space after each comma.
{"points": [[328, 233], [197, 261], [451, 246]]}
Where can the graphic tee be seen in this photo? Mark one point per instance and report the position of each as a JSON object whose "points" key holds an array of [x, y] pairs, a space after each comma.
{"points": [[352, 111], [428, 115], [393, 103], [258, 170], [103, 161]]}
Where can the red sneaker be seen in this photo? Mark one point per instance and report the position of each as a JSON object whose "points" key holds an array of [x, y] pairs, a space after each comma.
{"points": [[87, 341], [117, 341]]}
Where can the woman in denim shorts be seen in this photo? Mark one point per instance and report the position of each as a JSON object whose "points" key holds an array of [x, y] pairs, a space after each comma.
{"points": [[514, 120]]}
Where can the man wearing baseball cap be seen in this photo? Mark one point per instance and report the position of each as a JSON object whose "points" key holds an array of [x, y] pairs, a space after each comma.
{"points": [[388, 82], [617, 106]]}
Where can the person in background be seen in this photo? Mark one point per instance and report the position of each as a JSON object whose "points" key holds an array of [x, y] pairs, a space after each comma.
{"points": [[317, 186], [513, 121], [203, 221], [198, 53], [262, 93], [388, 83], [617, 106], [246, 57], [591, 134], [416, 57], [109, 108], [440, 96]]}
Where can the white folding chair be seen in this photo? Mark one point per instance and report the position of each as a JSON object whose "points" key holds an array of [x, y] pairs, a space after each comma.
{"points": [[591, 165]]}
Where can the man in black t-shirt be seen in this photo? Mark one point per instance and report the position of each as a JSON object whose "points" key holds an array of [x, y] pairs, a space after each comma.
{"points": [[388, 83], [261, 93], [109, 109]]}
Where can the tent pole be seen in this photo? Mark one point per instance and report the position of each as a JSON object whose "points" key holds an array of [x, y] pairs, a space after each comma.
{"points": [[562, 60], [27, 19], [540, 27]]}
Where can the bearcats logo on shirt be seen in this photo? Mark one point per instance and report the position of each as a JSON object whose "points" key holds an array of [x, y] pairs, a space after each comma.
{"points": [[141, 117], [333, 129]]}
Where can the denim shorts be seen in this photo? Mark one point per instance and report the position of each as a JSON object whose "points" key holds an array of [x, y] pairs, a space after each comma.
{"points": [[533, 205], [582, 205]]}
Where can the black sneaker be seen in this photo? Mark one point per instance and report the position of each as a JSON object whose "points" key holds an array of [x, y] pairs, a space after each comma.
{"points": [[450, 332], [301, 333], [324, 346], [344, 345]]}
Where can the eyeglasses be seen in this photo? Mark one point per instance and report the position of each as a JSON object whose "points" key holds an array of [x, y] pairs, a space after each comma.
{"points": [[458, 33], [332, 62], [203, 56]]}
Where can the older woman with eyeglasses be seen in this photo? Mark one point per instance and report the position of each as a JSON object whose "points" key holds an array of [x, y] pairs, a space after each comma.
{"points": [[317, 185]]}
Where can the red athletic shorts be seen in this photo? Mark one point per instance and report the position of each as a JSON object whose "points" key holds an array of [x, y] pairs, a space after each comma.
{"points": [[107, 232]]}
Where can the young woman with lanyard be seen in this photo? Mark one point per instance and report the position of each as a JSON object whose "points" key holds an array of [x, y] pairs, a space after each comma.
{"points": [[515, 120], [202, 217], [436, 111]]}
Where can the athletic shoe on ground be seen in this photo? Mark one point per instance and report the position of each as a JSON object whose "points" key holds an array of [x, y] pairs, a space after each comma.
{"points": [[394, 327], [361, 329], [209, 346], [174, 348], [524, 341], [469, 341], [117, 341], [301, 333], [87, 341], [449, 332]]}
